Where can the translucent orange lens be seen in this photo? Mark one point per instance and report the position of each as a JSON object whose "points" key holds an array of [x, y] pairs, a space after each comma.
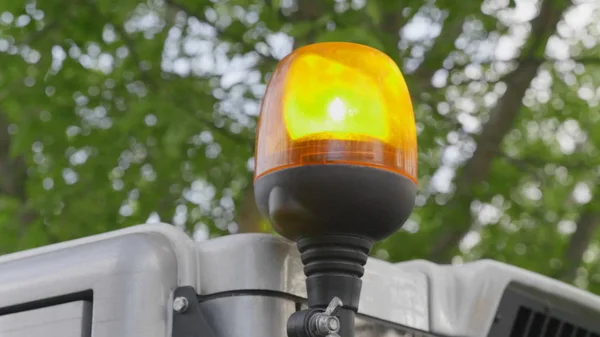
{"points": [[337, 103]]}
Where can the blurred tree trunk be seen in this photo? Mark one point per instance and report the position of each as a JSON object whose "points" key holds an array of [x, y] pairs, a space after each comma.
{"points": [[248, 217], [13, 171], [501, 120], [13, 176], [579, 242]]}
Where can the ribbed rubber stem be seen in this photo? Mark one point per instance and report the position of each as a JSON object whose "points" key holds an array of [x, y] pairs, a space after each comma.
{"points": [[334, 265]]}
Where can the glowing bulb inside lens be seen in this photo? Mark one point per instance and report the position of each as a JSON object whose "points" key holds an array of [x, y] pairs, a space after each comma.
{"points": [[337, 110], [327, 99]]}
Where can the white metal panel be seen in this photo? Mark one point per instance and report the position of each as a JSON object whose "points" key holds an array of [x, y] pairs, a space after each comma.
{"points": [[132, 274], [265, 262], [464, 298], [63, 320]]}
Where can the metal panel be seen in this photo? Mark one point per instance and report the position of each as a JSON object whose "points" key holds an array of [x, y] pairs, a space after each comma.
{"points": [[524, 312], [267, 263], [179, 243], [465, 298], [64, 320], [248, 316], [131, 272], [244, 315], [271, 263], [367, 327], [393, 295]]}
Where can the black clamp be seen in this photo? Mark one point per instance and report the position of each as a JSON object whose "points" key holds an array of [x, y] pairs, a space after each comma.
{"points": [[315, 322]]}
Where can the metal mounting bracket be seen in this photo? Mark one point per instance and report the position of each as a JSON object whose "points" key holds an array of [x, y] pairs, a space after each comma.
{"points": [[187, 317]]}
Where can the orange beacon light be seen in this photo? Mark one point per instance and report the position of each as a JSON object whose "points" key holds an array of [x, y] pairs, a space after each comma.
{"points": [[335, 170], [336, 149]]}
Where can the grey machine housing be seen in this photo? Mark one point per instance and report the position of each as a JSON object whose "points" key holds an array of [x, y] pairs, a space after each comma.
{"points": [[124, 283]]}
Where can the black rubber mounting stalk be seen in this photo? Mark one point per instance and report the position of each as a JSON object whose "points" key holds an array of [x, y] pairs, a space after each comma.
{"points": [[334, 265], [334, 212]]}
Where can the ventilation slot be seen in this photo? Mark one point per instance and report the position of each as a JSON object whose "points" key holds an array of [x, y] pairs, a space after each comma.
{"points": [[527, 312], [529, 323]]}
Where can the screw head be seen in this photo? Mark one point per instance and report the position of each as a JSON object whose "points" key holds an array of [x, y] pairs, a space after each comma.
{"points": [[333, 324], [325, 324], [180, 304]]}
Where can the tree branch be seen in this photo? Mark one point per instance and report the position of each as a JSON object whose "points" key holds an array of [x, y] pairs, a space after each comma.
{"points": [[533, 163], [501, 120], [37, 35], [129, 43], [586, 60], [452, 28]]}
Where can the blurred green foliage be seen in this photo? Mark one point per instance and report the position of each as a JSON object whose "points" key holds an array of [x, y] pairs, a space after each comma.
{"points": [[117, 113]]}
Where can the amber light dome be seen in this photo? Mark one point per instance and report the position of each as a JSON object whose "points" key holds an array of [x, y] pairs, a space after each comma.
{"points": [[337, 103]]}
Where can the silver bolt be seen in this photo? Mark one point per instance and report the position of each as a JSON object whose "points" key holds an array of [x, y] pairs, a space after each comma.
{"points": [[180, 304], [333, 324], [326, 324]]}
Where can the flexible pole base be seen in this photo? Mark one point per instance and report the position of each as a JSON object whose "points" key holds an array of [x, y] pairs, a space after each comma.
{"points": [[333, 265]]}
